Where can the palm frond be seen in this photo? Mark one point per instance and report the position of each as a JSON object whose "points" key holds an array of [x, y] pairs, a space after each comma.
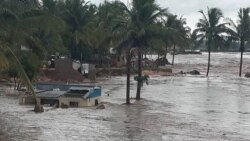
{"points": [[25, 79]]}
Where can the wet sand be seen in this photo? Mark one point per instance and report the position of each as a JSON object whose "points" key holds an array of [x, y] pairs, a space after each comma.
{"points": [[173, 109]]}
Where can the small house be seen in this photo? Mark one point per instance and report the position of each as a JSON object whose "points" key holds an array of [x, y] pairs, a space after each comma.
{"points": [[60, 95], [50, 97], [81, 97]]}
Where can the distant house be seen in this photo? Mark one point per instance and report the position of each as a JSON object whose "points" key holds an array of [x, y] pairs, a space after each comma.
{"points": [[118, 57], [63, 71], [25, 48]]}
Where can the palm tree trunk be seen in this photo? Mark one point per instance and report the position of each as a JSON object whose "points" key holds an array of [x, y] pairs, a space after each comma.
{"points": [[158, 60], [138, 93], [208, 63], [128, 77], [241, 61], [165, 55], [18, 85], [173, 55], [27, 82], [15, 87], [241, 56]]}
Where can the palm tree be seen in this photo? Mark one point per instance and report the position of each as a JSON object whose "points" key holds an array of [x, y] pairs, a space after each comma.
{"points": [[15, 30], [144, 14], [25, 79], [21, 31], [10, 13], [242, 32], [138, 27], [179, 32], [116, 15], [76, 14], [210, 29], [98, 32]]}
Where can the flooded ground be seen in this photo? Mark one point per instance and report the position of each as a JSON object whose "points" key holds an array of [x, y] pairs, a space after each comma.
{"points": [[222, 64], [173, 109]]}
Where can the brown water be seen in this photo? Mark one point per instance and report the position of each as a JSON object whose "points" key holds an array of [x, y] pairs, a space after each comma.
{"points": [[174, 108]]}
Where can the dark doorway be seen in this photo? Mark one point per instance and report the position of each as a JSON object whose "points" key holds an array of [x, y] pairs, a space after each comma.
{"points": [[73, 104], [96, 102]]}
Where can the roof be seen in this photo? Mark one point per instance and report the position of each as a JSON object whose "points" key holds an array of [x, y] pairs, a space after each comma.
{"points": [[62, 87], [51, 94], [80, 88], [73, 90], [77, 92]]}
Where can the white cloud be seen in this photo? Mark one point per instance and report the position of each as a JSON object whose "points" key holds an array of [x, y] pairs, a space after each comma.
{"points": [[189, 8]]}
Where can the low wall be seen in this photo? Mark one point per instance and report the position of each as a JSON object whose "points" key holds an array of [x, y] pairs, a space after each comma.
{"points": [[81, 102], [26, 99]]}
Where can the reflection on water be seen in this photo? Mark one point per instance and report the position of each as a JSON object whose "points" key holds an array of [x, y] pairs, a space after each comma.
{"points": [[173, 108]]}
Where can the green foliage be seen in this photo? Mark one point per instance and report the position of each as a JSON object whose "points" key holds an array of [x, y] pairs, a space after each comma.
{"points": [[211, 30], [31, 64], [22, 74], [179, 33], [4, 63], [29, 61], [12, 72], [142, 79], [241, 31]]}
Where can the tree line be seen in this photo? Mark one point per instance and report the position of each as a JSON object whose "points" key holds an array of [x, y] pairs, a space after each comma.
{"points": [[80, 29]]}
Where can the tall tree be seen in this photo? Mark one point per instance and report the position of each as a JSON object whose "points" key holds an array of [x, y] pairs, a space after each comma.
{"points": [[15, 30], [139, 28], [242, 32], [211, 29], [144, 14], [180, 32], [76, 14], [116, 15]]}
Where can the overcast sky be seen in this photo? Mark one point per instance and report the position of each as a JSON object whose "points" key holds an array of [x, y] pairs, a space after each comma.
{"points": [[189, 8]]}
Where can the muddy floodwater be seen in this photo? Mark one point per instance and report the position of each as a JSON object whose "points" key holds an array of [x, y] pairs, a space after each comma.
{"points": [[180, 108]]}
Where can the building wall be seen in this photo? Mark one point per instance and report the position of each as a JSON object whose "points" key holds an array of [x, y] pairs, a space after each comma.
{"points": [[96, 93], [26, 99], [119, 61], [76, 65], [81, 102]]}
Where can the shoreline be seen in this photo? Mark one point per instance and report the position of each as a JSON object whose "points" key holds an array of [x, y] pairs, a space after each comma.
{"points": [[106, 73]]}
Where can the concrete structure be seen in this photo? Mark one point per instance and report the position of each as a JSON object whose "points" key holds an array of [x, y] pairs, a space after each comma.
{"points": [[61, 95], [64, 72], [118, 60], [81, 97], [26, 99], [51, 98], [70, 95]]}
